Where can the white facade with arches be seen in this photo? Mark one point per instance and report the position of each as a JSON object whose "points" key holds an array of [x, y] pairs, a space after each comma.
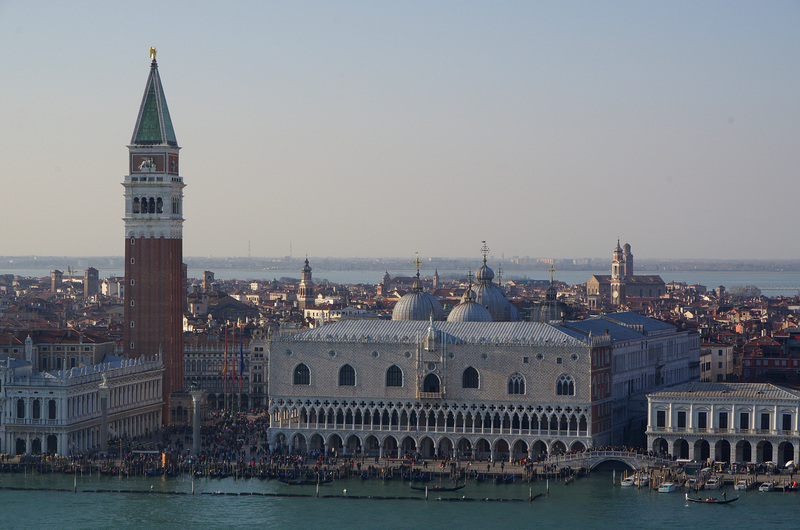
{"points": [[61, 411], [726, 422], [479, 389]]}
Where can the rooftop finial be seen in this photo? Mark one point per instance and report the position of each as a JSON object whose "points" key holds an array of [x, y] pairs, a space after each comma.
{"points": [[417, 263], [484, 251], [153, 53], [552, 271]]}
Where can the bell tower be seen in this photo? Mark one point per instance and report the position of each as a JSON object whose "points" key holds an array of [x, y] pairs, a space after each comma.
{"points": [[154, 271], [617, 276]]}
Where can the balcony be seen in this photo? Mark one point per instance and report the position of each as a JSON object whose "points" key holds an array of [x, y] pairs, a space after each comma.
{"points": [[429, 395]]}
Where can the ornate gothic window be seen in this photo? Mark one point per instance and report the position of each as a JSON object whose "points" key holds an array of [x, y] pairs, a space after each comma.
{"points": [[136, 205], [469, 378], [516, 384], [394, 376], [347, 376], [431, 383], [302, 375], [565, 386]]}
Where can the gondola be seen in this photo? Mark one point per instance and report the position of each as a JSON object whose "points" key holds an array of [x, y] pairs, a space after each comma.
{"points": [[710, 500], [504, 480], [433, 489], [305, 482]]}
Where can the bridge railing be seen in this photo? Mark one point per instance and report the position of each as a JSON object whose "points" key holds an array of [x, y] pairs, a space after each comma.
{"points": [[604, 455]]}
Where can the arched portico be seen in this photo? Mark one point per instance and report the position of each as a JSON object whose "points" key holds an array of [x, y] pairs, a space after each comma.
{"points": [[335, 445], [501, 450], [389, 446], [408, 446], [352, 446], [785, 453], [371, 446], [722, 451], [426, 447], [558, 448], [744, 452], [299, 445], [538, 449], [680, 448], [577, 447]]}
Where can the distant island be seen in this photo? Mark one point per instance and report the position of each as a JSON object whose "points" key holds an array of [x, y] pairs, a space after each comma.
{"points": [[509, 264]]}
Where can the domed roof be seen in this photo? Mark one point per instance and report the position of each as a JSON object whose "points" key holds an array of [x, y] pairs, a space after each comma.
{"points": [[494, 300], [485, 273], [470, 311], [418, 305], [491, 296]]}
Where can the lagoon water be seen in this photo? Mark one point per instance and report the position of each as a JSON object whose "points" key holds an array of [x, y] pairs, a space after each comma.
{"points": [[105, 502], [770, 283]]}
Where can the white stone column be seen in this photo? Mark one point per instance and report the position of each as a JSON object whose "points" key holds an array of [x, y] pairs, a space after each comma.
{"points": [[196, 396], [104, 393]]}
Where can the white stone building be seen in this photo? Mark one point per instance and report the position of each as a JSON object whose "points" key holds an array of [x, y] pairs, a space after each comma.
{"points": [[648, 355], [506, 390], [61, 411], [726, 422]]}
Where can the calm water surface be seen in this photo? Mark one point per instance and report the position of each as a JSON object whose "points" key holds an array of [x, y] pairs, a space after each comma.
{"points": [[587, 503]]}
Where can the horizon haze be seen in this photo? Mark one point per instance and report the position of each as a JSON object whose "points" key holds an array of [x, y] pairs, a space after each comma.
{"points": [[358, 128]]}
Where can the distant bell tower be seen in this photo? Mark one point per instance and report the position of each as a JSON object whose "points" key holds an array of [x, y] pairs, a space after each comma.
{"points": [[617, 276], [154, 272], [305, 292], [628, 260]]}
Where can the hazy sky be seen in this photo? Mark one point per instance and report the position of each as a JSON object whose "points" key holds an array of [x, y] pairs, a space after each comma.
{"points": [[383, 128]]}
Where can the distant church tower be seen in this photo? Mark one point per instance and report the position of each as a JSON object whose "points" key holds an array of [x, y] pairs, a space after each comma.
{"points": [[305, 292], [154, 271], [618, 276], [627, 260]]}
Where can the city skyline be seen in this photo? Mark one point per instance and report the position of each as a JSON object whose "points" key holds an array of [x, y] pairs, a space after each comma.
{"points": [[358, 129]]}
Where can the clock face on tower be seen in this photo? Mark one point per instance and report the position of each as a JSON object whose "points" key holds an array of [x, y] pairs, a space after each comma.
{"points": [[615, 294]]}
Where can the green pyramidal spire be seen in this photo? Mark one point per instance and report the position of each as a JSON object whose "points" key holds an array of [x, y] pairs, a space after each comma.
{"points": [[154, 126]]}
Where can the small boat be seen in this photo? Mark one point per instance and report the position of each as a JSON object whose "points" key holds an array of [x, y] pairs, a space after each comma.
{"points": [[712, 483], [504, 480], [305, 482], [741, 485], [766, 486], [710, 500], [628, 481], [642, 481], [436, 488], [792, 487], [667, 487]]}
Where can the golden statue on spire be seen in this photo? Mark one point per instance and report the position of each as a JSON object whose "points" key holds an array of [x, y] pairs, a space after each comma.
{"points": [[153, 53]]}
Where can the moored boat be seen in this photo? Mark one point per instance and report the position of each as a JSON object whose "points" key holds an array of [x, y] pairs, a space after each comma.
{"points": [[627, 482], [436, 488], [741, 485], [667, 487], [766, 486], [712, 483]]}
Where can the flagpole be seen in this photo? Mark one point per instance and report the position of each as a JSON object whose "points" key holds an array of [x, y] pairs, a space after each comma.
{"points": [[233, 381], [225, 372], [241, 364]]}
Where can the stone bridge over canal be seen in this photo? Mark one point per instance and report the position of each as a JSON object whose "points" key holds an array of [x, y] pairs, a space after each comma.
{"points": [[591, 459]]}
